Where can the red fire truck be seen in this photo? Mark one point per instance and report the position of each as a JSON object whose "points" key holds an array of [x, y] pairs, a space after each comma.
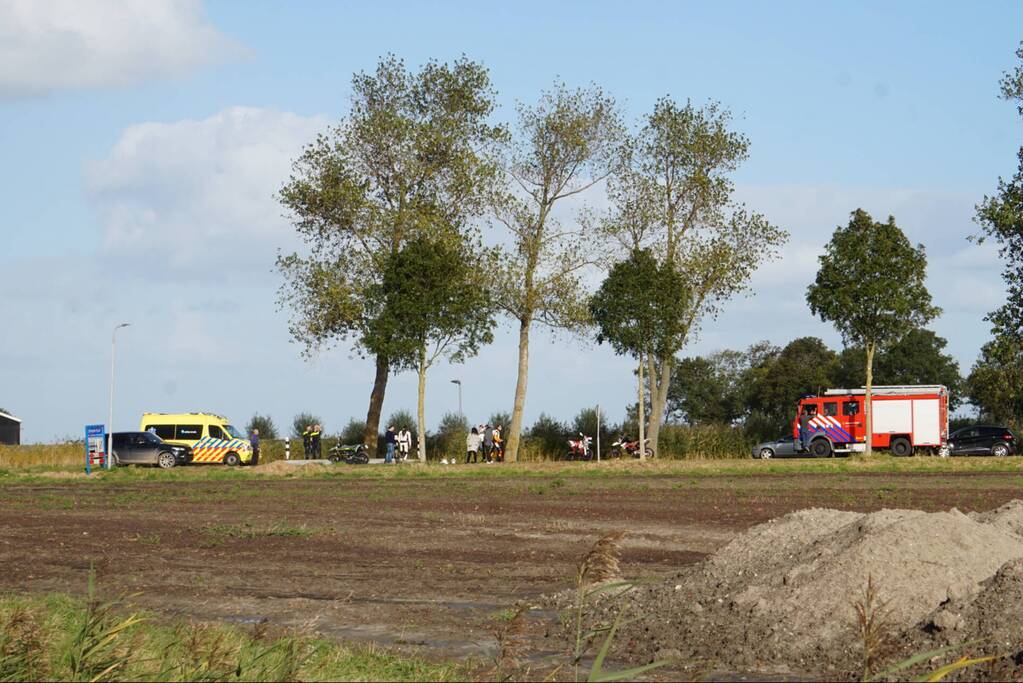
{"points": [[905, 419]]}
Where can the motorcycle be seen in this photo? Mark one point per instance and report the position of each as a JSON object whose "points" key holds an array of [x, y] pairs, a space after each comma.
{"points": [[625, 446], [579, 449], [353, 454]]}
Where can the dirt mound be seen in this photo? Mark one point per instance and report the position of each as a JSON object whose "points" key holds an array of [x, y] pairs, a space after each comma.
{"points": [[282, 467], [987, 624], [781, 597]]}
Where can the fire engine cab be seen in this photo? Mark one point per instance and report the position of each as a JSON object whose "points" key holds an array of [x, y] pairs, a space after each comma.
{"points": [[905, 419]]}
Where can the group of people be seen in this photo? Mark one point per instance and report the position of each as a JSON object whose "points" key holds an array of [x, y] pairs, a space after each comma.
{"points": [[400, 441], [485, 442], [311, 441]]}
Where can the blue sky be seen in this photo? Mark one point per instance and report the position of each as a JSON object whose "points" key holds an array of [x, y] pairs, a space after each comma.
{"points": [[142, 144]]}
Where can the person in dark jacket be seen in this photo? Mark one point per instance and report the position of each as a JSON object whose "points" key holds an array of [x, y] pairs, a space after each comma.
{"points": [[254, 440], [307, 446], [804, 426], [391, 439]]}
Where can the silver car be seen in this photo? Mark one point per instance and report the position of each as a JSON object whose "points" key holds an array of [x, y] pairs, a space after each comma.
{"points": [[785, 447]]}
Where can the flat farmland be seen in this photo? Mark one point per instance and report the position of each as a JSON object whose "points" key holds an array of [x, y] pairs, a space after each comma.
{"points": [[432, 561]]}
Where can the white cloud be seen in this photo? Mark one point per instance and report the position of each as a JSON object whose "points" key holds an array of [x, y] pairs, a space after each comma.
{"points": [[198, 195], [48, 45]]}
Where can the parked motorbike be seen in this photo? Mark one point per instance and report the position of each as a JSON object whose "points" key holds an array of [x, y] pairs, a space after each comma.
{"points": [[579, 449], [353, 454], [625, 446]]}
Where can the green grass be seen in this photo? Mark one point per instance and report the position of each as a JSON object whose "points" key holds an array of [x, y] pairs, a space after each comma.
{"points": [[558, 473], [56, 637]]}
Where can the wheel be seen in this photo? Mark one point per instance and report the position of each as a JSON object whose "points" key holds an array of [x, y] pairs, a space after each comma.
{"points": [[232, 459], [999, 450], [334, 457], [902, 448], [166, 460], [360, 458], [649, 452], [766, 454], [820, 448], [616, 452]]}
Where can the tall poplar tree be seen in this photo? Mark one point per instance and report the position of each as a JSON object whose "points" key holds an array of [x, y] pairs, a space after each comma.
{"points": [[409, 159], [562, 146], [674, 196]]}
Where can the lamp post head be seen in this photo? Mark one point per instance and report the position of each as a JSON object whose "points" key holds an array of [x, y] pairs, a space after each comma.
{"points": [[122, 325], [456, 381]]}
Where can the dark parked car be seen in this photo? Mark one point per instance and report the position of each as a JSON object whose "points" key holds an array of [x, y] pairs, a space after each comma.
{"points": [[785, 447], [146, 448], [983, 440]]}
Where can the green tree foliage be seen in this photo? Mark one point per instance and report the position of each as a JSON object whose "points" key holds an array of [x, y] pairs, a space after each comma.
{"points": [[917, 358], [805, 366], [716, 389], [563, 146], [640, 310], [265, 425], [641, 306], [450, 438], [353, 432], [995, 384], [501, 419], [675, 196], [408, 160], [301, 421], [871, 287], [585, 422], [400, 419], [549, 433], [432, 306], [1001, 219]]}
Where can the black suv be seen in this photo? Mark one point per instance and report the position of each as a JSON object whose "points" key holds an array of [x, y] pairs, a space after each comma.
{"points": [[146, 448], [983, 440]]}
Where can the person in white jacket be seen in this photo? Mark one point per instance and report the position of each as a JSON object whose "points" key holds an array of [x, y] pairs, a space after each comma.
{"points": [[404, 443], [472, 445]]}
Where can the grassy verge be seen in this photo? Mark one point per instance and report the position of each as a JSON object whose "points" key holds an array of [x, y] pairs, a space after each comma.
{"points": [[880, 464], [59, 638]]}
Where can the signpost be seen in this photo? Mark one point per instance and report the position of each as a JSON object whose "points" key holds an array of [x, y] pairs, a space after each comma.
{"points": [[95, 447]]}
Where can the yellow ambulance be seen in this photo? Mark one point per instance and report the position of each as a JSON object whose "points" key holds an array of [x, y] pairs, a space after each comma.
{"points": [[212, 438]]}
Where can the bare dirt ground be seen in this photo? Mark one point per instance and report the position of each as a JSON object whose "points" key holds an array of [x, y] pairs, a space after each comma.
{"points": [[430, 564]]}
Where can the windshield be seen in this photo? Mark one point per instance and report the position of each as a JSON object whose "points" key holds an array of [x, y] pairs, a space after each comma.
{"points": [[151, 438], [235, 434]]}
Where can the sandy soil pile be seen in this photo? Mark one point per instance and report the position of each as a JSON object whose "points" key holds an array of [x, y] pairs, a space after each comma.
{"points": [[781, 596]]}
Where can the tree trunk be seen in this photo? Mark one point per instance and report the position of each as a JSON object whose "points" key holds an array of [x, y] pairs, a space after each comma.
{"points": [[642, 411], [868, 411], [421, 408], [515, 429], [658, 398], [376, 404]]}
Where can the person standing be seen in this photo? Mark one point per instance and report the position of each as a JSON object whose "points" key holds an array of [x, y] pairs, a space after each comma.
{"points": [[498, 445], [804, 426], [307, 447], [254, 440], [314, 441], [488, 443], [404, 443], [472, 445], [390, 438]]}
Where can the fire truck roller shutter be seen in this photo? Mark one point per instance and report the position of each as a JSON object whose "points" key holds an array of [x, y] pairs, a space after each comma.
{"points": [[926, 422], [893, 416]]}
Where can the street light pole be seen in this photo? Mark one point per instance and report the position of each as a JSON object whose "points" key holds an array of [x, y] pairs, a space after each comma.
{"points": [[459, 383], [110, 425]]}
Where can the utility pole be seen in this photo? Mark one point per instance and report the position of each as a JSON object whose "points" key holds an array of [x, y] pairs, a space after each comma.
{"points": [[110, 428], [459, 383], [598, 432]]}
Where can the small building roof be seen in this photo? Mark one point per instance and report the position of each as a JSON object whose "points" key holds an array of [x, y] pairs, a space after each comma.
{"points": [[10, 417]]}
